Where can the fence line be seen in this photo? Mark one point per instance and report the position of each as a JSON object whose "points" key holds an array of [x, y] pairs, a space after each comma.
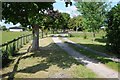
{"points": [[11, 47]]}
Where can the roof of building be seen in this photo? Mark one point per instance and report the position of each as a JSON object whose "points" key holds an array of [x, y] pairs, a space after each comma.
{"points": [[15, 28]]}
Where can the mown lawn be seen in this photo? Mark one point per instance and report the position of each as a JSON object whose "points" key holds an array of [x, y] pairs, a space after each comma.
{"points": [[49, 62], [8, 36], [99, 44]]}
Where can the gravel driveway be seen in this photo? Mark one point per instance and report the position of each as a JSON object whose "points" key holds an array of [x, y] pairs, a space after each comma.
{"points": [[100, 69]]}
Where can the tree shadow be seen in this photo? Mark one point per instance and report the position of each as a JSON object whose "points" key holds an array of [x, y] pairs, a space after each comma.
{"points": [[97, 56], [9, 61], [6, 63], [99, 48], [11, 74], [53, 56], [100, 40], [33, 69]]}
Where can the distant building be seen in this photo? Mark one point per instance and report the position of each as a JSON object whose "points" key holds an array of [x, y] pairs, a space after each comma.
{"points": [[103, 27], [18, 29]]}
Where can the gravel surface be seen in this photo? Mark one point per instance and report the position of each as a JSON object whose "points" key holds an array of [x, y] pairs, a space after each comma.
{"points": [[100, 69], [60, 75], [94, 51]]}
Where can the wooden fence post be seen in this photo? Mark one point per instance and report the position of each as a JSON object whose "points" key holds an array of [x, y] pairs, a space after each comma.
{"points": [[14, 45], [6, 49], [17, 44], [26, 39], [21, 41], [13, 52]]}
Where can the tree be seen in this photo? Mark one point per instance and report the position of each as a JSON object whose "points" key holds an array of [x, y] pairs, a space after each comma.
{"points": [[113, 29], [71, 23], [75, 22], [26, 13], [67, 2], [93, 14], [56, 20], [3, 28], [65, 19]]}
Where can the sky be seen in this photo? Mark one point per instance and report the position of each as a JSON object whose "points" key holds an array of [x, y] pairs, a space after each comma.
{"points": [[60, 6]]}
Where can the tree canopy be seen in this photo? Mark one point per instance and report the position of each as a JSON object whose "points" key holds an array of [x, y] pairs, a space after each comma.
{"points": [[26, 13], [113, 29], [22, 12], [3, 28], [93, 14], [75, 22]]}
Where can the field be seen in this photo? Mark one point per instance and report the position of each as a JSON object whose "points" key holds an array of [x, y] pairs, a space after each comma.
{"points": [[8, 36]]}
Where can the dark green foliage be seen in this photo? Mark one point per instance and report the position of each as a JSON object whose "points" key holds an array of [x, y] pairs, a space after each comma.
{"points": [[113, 29], [3, 28], [65, 20], [21, 12], [5, 58], [13, 49], [75, 23], [85, 36], [67, 3]]}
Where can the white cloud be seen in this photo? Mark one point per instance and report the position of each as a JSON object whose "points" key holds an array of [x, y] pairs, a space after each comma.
{"points": [[59, 0], [72, 8], [68, 12], [2, 23], [113, 0], [73, 11]]}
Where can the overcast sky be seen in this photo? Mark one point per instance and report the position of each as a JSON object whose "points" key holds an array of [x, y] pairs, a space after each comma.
{"points": [[60, 5]]}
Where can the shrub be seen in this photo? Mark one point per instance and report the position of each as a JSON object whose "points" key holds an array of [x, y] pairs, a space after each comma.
{"points": [[113, 29], [5, 58]]}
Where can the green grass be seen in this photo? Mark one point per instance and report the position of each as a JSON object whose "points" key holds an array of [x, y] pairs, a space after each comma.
{"points": [[8, 36], [48, 61], [99, 44], [88, 34], [107, 62]]}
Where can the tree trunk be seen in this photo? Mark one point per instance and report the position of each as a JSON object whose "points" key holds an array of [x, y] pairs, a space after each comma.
{"points": [[76, 28], [35, 32], [85, 35], [42, 33], [93, 35], [53, 31]]}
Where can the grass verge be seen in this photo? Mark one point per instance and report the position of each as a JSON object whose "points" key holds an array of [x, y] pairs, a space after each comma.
{"points": [[111, 64]]}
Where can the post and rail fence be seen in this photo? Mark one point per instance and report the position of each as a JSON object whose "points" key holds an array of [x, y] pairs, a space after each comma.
{"points": [[11, 47]]}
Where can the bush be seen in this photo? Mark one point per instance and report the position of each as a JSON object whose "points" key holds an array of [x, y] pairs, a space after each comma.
{"points": [[5, 58], [113, 29]]}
